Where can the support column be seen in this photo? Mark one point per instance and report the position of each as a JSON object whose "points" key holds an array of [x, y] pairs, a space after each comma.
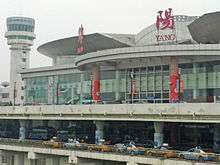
{"points": [[19, 159], [174, 77], [81, 88], [22, 130], [33, 162], [99, 132], [216, 138], [195, 79], [158, 135], [117, 85], [173, 134], [95, 83], [3, 158]]}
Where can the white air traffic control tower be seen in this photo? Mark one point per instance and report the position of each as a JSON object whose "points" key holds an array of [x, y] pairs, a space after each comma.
{"points": [[20, 36]]}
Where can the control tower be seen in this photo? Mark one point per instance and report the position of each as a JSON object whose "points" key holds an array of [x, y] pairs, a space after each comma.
{"points": [[20, 36]]}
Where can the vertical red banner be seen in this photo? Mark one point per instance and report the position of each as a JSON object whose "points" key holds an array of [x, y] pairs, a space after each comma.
{"points": [[96, 90], [174, 88]]}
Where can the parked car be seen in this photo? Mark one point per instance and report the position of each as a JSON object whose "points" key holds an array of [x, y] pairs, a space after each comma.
{"points": [[161, 152], [53, 143], [197, 154], [42, 133], [120, 147], [146, 144], [101, 148], [62, 135], [72, 144], [133, 150]]}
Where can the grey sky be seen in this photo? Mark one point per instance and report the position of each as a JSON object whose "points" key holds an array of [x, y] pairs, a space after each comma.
{"points": [[61, 18]]}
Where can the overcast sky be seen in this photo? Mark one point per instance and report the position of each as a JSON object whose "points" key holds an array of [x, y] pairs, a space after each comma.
{"points": [[57, 19]]}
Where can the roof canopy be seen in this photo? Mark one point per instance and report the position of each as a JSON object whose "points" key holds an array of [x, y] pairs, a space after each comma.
{"points": [[93, 42], [206, 29]]}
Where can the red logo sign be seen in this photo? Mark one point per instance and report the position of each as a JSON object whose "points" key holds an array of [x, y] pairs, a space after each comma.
{"points": [[165, 20], [80, 47]]}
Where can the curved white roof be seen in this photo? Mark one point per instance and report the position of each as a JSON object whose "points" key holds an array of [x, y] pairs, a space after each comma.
{"points": [[148, 35]]}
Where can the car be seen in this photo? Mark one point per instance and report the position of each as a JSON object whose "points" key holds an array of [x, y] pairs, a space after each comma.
{"points": [[71, 144], [197, 154], [146, 144], [120, 147], [100, 148], [53, 143], [161, 152], [133, 150]]}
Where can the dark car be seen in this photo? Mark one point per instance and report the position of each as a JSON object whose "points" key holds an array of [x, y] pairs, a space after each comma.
{"points": [[42, 133]]}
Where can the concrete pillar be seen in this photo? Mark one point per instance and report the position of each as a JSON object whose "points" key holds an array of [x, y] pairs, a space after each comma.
{"points": [[22, 130], [158, 135], [99, 132], [49, 161], [173, 134], [55, 161], [195, 79], [216, 138], [19, 159], [81, 88], [33, 162], [96, 83], [3, 158], [174, 77], [117, 85]]}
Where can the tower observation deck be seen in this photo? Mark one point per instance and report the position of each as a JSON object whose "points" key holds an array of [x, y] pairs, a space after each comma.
{"points": [[20, 36]]}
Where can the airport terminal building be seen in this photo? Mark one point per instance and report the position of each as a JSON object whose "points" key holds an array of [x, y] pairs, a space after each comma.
{"points": [[131, 68], [161, 84], [174, 62]]}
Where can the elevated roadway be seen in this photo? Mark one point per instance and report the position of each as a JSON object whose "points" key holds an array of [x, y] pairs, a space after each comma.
{"points": [[81, 157], [178, 112]]}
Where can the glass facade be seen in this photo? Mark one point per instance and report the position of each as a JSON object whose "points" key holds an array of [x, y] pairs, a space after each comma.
{"points": [[20, 24], [21, 37], [146, 84], [20, 27]]}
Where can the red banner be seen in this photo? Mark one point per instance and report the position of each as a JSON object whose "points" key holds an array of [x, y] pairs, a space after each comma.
{"points": [[96, 90], [174, 88]]}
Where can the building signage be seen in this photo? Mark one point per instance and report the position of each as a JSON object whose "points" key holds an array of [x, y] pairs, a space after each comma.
{"points": [[174, 93], [80, 44], [165, 21], [176, 88], [96, 90], [166, 37]]}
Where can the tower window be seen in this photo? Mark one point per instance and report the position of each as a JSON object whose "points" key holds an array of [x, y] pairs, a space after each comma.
{"points": [[23, 59]]}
